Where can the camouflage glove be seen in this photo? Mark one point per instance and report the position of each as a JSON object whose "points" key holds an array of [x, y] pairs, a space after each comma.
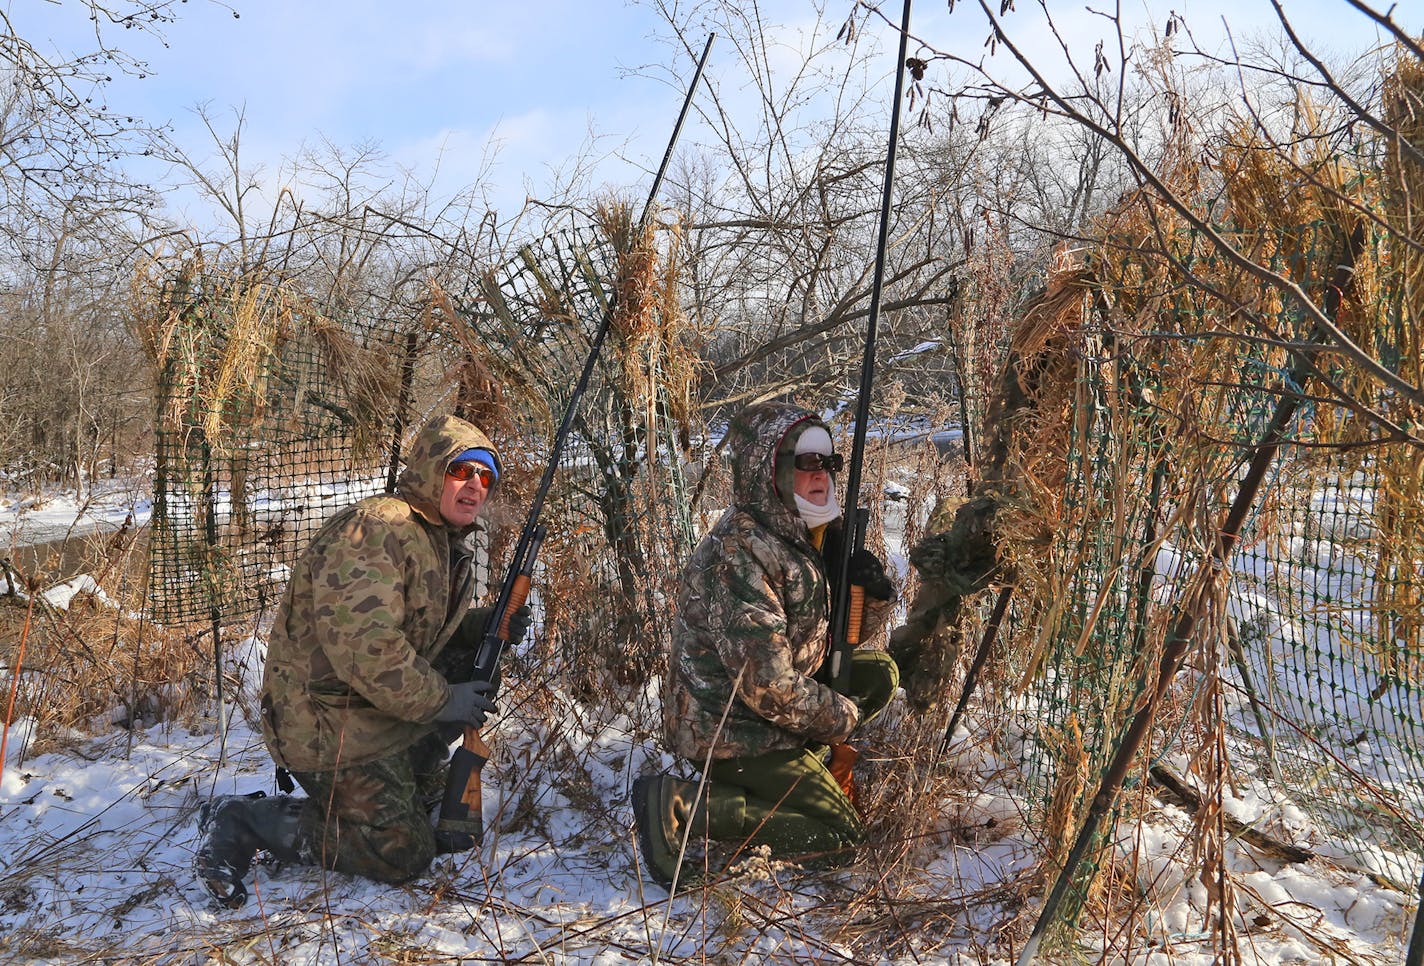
{"points": [[867, 571], [468, 704]]}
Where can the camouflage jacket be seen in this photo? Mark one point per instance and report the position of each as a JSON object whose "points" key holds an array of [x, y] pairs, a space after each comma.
{"points": [[371, 603], [753, 622]]}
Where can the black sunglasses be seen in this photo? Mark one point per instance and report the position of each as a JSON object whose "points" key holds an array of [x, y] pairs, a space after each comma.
{"points": [[467, 471], [811, 462]]}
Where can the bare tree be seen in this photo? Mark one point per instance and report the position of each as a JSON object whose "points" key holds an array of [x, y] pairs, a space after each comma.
{"points": [[59, 138], [71, 226], [1142, 124], [782, 207]]}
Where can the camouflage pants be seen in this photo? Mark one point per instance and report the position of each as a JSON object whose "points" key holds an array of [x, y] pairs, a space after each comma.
{"points": [[788, 800], [374, 819]]}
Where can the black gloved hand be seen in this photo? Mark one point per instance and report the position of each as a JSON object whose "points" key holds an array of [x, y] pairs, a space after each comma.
{"points": [[519, 622], [468, 704], [868, 572]]}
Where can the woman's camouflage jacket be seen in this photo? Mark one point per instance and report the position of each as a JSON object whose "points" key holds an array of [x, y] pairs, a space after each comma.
{"points": [[753, 620]]}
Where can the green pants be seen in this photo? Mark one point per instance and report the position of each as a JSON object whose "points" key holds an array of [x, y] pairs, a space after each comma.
{"points": [[788, 799], [374, 819]]}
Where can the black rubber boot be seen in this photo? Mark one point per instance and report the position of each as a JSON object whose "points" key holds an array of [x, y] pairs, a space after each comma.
{"points": [[233, 828], [662, 809]]}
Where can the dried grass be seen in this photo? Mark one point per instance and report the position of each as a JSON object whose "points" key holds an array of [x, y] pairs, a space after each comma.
{"points": [[99, 665], [1031, 426], [1399, 552], [369, 378], [216, 338], [655, 344], [1404, 204]]}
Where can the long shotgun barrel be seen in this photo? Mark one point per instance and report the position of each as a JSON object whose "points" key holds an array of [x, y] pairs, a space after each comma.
{"points": [[460, 825], [841, 646]]}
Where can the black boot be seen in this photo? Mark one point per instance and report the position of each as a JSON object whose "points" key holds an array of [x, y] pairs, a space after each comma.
{"points": [[233, 828], [663, 806]]}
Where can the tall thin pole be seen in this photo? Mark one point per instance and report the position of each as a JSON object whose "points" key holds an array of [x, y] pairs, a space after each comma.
{"points": [[1415, 955], [971, 677]]}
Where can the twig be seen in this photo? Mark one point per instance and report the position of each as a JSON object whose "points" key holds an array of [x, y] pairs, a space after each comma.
{"points": [[15, 671], [1176, 791]]}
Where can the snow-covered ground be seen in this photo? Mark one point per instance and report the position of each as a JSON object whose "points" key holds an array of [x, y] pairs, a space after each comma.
{"points": [[96, 845]]}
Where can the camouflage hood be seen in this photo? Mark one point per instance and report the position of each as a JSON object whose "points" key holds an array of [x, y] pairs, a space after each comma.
{"points": [[423, 479], [761, 486]]}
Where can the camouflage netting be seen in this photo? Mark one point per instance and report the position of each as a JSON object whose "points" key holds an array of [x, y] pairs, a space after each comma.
{"points": [[1137, 387], [618, 516], [272, 414]]}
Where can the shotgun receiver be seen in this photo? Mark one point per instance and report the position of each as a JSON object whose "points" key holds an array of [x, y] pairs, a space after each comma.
{"points": [[461, 824]]}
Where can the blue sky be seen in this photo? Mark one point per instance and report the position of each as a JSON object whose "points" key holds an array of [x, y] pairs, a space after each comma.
{"points": [[419, 77], [439, 81]]}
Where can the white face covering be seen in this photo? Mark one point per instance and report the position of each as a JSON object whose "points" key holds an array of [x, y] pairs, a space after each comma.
{"points": [[815, 439], [817, 515]]}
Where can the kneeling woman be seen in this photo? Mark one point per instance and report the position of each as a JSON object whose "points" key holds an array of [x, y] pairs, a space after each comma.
{"points": [[752, 631]]}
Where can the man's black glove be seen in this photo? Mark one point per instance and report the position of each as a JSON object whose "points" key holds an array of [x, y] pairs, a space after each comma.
{"points": [[468, 704], [476, 625], [867, 571]]}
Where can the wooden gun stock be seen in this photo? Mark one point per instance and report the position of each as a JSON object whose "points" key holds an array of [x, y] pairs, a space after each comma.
{"points": [[843, 756], [462, 822], [461, 825]]}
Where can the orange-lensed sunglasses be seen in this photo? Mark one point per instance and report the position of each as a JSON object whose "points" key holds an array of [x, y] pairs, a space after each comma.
{"points": [[466, 471]]}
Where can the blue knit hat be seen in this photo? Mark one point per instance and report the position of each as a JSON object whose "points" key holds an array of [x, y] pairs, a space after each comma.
{"points": [[482, 456]]}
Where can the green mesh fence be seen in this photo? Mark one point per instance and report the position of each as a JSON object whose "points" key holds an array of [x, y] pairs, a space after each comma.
{"points": [[268, 420], [1314, 644], [1327, 619]]}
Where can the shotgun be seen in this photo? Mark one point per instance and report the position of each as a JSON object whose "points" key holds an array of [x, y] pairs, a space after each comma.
{"points": [[848, 602], [460, 825]]}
